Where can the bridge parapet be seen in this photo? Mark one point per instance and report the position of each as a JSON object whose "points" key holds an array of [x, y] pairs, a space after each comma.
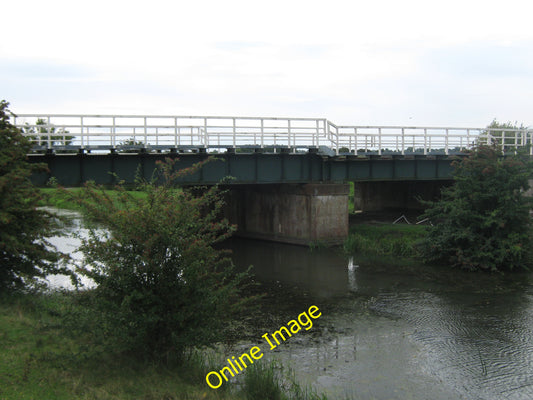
{"points": [[209, 133]]}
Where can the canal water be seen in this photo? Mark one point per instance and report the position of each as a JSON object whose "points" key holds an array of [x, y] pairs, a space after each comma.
{"points": [[390, 331]]}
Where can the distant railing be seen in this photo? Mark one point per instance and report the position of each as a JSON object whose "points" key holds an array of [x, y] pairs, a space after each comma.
{"points": [[67, 132]]}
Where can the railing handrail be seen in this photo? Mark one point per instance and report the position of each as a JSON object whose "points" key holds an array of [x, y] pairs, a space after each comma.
{"points": [[231, 131]]}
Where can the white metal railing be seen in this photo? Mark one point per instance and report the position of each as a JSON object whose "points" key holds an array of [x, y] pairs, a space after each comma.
{"points": [[61, 131], [424, 140]]}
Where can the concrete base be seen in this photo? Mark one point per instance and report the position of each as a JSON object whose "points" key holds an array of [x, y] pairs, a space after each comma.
{"points": [[400, 195], [290, 213]]}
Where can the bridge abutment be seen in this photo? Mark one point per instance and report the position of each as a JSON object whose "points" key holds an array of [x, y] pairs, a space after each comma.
{"points": [[291, 213]]}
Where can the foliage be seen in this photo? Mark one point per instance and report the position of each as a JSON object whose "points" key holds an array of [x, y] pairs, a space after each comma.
{"points": [[385, 240], [269, 380], [58, 197], [261, 381], [38, 362], [497, 134], [482, 222], [24, 252], [161, 285], [126, 145], [59, 137]]}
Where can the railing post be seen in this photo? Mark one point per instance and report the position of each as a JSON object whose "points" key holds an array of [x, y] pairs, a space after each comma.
{"points": [[234, 134], [176, 132], [337, 139], [49, 146], [207, 134], [255, 135], [446, 142], [275, 140], [403, 141], [113, 137], [145, 133], [317, 130], [355, 137], [81, 131], [262, 133], [288, 133], [379, 141], [425, 141]]}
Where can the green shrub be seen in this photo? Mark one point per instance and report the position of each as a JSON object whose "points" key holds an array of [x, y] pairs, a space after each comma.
{"points": [[24, 252], [161, 285], [390, 240], [482, 222]]}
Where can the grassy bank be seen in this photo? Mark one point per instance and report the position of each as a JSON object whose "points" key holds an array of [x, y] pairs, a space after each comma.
{"points": [[58, 198], [384, 239], [40, 362]]}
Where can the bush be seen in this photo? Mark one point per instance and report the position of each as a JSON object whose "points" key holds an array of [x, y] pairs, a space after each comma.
{"points": [[24, 252], [161, 285], [482, 222]]}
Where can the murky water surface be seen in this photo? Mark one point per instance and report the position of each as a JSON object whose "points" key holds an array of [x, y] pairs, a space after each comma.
{"points": [[409, 332]]}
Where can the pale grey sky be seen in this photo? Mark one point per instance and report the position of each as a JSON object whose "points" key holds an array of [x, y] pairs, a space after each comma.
{"points": [[412, 62]]}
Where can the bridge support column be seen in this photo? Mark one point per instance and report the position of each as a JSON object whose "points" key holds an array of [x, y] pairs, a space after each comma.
{"points": [[291, 213]]}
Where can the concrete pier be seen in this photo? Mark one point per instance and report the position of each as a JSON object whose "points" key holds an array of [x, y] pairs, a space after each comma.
{"points": [[291, 213]]}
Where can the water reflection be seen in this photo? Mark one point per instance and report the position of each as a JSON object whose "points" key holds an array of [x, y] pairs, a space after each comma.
{"points": [[410, 332], [352, 281], [68, 242], [321, 272]]}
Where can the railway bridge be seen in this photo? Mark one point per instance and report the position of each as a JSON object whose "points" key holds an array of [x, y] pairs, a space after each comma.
{"points": [[288, 175]]}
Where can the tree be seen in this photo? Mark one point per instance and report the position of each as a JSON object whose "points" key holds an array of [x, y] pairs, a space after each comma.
{"points": [[482, 222], [161, 284], [24, 252], [507, 136], [43, 132]]}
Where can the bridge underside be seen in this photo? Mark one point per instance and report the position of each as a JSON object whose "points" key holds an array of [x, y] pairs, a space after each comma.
{"points": [[299, 198]]}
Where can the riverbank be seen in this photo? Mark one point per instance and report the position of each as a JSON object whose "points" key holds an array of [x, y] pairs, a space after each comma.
{"points": [[40, 362], [384, 239]]}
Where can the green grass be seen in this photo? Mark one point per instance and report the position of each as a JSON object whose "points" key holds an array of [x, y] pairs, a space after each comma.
{"points": [[38, 361], [351, 197], [53, 197], [270, 381], [384, 239]]}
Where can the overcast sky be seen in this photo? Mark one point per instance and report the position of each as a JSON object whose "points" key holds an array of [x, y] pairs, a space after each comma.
{"points": [[372, 62]]}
